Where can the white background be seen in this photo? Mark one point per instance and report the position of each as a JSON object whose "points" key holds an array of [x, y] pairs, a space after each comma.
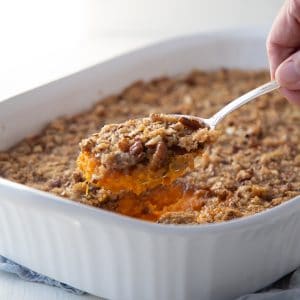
{"points": [[44, 40]]}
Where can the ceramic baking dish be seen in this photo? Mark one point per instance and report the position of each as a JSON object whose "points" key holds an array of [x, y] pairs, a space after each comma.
{"points": [[117, 257]]}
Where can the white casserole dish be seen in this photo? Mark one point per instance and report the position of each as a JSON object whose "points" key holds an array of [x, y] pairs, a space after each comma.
{"points": [[117, 257]]}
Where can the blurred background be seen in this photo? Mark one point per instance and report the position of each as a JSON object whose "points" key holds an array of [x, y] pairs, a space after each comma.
{"points": [[45, 40]]}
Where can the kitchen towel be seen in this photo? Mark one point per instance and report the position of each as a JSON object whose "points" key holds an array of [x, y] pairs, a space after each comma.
{"points": [[26, 274], [287, 288]]}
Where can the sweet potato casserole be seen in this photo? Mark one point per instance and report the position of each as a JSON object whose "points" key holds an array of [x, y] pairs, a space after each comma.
{"points": [[253, 165]]}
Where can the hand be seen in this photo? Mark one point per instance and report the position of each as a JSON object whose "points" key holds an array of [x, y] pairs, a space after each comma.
{"points": [[283, 46]]}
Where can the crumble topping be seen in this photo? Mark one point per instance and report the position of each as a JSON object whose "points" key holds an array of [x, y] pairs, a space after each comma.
{"points": [[254, 165]]}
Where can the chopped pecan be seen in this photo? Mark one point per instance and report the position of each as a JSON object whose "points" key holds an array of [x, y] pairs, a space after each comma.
{"points": [[231, 213], [77, 176], [55, 183], [136, 148], [244, 175], [124, 145], [160, 156], [191, 123]]}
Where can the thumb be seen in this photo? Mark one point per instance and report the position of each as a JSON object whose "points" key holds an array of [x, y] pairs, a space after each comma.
{"points": [[288, 72]]}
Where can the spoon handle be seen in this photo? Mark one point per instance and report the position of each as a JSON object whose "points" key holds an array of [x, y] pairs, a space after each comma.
{"points": [[233, 105]]}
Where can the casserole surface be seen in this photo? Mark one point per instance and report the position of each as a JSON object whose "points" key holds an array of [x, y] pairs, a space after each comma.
{"points": [[250, 167]]}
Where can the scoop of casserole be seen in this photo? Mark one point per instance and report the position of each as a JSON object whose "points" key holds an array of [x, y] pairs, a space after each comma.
{"points": [[142, 153]]}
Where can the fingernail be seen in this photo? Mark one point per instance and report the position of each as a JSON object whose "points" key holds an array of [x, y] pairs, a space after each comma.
{"points": [[288, 73]]}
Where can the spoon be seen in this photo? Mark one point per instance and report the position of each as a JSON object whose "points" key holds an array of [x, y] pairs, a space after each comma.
{"points": [[235, 104]]}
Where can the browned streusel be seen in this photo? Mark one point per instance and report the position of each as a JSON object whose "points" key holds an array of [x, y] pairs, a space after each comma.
{"points": [[253, 166], [142, 153]]}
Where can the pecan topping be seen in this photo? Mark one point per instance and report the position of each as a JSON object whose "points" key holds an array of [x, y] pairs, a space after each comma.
{"points": [[55, 183], [124, 145], [191, 123], [137, 148], [159, 156]]}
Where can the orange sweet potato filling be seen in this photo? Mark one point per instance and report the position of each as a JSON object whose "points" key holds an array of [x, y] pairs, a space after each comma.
{"points": [[136, 180], [155, 203]]}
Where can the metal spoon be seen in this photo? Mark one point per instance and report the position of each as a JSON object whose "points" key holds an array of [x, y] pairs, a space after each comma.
{"points": [[235, 104]]}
